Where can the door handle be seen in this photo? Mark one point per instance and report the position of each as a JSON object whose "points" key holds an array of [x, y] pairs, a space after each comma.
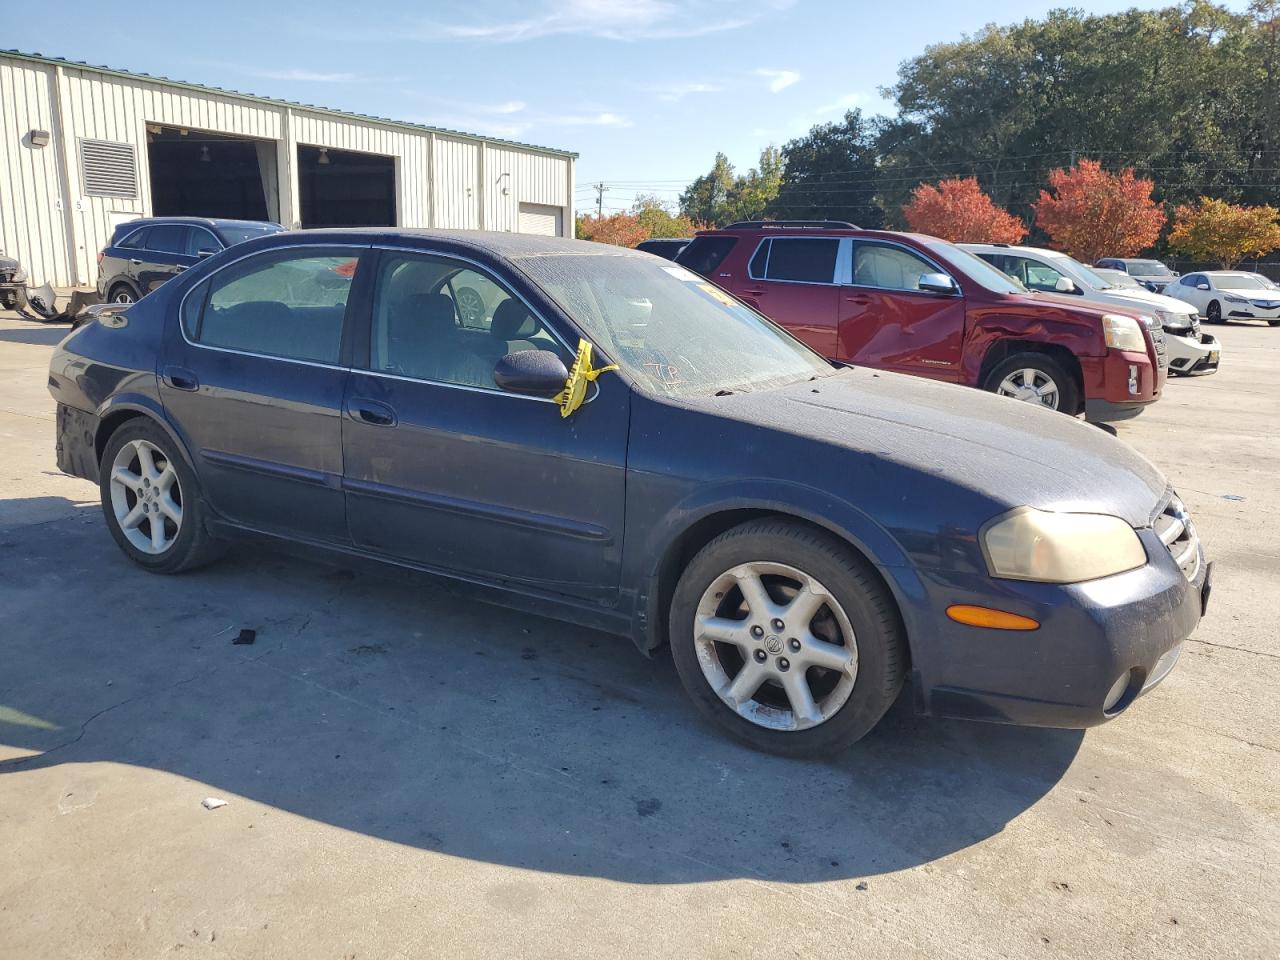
{"points": [[136, 263], [755, 293], [180, 267], [862, 300], [372, 412], [180, 378]]}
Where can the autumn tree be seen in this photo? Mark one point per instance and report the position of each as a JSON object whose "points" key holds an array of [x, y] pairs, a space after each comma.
{"points": [[620, 229], [1092, 213], [1224, 233], [656, 218], [958, 210]]}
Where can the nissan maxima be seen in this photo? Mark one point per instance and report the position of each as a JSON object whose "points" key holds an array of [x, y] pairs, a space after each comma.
{"points": [[595, 434]]}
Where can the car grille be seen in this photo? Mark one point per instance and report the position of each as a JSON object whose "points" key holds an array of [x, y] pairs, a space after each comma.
{"points": [[6, 276], [1178, 534], [1195, 328], [1162, 348]]}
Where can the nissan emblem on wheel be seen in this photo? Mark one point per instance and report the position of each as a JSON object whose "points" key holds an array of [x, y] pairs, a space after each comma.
{"points": [[604, 436]]}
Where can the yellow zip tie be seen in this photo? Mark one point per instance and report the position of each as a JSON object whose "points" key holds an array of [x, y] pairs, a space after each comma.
{"points": [[580, 374]]}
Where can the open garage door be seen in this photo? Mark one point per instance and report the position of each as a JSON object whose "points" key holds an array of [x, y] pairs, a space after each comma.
{"points": [[199, 174], [341, 188]]}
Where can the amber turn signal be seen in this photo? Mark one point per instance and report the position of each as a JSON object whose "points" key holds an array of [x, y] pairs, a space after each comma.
{"points": [[986, 617]]}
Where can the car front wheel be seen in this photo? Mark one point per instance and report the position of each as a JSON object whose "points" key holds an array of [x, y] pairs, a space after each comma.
{"points": [[786, 638], [151, 500], [1213, 313], [1035, 378]]}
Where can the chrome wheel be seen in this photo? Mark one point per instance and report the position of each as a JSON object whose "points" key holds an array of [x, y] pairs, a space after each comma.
{"points": [[1030, 385], [146, 497], [775, 646], [122, 296]]}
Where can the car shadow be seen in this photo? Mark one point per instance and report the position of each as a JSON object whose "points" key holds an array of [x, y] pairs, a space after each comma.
{"points": [[37, 334], [393, 707]]}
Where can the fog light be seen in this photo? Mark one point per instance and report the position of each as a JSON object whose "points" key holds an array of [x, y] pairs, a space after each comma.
{"points": [[1133, 379], [1117, 691]]}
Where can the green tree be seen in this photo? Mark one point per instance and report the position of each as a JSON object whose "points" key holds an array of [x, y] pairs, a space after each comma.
{"points": [[656, 218], [704, 200], [831, 173]]}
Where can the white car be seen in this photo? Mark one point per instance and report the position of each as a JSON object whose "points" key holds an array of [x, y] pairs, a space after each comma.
{"points": [[1190, 351], [1221, 295]]}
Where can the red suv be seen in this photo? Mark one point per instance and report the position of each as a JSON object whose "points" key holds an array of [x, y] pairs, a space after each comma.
{"points": [[916, 304]]}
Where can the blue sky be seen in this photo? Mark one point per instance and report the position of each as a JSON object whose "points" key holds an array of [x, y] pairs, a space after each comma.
{"points": [[645, 90]]}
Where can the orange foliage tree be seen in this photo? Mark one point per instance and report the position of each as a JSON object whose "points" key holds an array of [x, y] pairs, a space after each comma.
{"points": [[620, 229], [958, 210], [1223, 232], [1092, 213]]}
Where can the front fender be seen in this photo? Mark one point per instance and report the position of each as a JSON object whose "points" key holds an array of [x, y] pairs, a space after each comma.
{"points": [[664, 542]]}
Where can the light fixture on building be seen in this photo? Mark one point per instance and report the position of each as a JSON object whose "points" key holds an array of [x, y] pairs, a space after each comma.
{"points": [[324, 156], [39, 138], [204, 154]]}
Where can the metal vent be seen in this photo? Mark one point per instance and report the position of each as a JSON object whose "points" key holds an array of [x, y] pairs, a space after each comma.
{"points": [[1178, 534], [109, 169]]}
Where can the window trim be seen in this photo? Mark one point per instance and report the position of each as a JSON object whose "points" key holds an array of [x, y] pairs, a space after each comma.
{"points": [[592, 392], [842, 244], [877, 241], [130, 235], [360, 252]]}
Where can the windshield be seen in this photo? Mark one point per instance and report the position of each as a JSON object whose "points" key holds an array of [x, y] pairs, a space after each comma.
{"points": [[675, 333], [977, 269], [1148, 268], [1245, 281], [1119, 279], [1092, 277], [240, 232]]}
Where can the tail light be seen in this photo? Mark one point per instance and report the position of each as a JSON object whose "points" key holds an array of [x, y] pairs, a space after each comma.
{"points": [[101, 254]]}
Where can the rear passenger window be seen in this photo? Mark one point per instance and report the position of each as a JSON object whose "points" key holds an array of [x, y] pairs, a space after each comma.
{"points": [[279, 304], [704, 254], [803, 260], [760, 261], [136, 239]]}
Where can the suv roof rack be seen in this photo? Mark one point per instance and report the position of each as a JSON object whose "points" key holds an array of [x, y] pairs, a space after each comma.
{"points": [[775, 224]]}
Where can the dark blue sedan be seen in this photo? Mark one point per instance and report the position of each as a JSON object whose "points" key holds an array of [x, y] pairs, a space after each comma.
{"points": [[806, 539]]}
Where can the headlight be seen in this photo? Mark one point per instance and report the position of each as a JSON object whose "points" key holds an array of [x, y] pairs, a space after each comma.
{"points": [[1123, 333], [1171, 319], [1231, 299], [1030, 544], [20, 275]]}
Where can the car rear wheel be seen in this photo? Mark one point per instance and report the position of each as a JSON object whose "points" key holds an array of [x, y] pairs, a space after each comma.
{"points": [[786, 638], [1035, 378], [121, 293], [152, 501], [1213, 313]]}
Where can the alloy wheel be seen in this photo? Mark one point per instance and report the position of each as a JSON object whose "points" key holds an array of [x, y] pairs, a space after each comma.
{"points": [[470, 307], [775, 646], [146, 496], [1030, 385], [122, 296]]}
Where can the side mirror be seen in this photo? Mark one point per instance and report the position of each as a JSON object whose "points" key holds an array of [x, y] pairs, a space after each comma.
{"points": [[938, 283], [1202, 286], [205, 252], [1065, 285], [538, 373]]}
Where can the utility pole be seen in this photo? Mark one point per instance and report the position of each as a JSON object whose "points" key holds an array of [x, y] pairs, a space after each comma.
{"points": [[600, 190]]}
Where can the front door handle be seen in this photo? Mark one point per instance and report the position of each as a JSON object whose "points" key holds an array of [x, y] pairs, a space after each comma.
{"points": [[862, 300], [180, 378], [372, 412], [136, 263]]}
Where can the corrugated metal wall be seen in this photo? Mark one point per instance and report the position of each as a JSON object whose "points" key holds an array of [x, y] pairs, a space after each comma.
{"points": [[48, 222]]}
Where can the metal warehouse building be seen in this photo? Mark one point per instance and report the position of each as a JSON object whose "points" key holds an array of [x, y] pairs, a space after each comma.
{"points": [[83, 148]]}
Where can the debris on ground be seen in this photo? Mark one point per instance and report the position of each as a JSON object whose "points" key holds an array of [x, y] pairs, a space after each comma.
{"points": [[212, 803], [246, 637]]}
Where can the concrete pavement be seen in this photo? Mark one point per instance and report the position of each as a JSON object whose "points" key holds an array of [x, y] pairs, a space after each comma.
{"points": [[410, 774]]}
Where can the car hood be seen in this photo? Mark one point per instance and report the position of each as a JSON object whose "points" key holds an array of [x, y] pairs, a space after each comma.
{"points": [[1010, 452], [1155, 300], [1251, 294]]}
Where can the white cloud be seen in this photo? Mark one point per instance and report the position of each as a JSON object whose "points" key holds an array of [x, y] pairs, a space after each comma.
{"points": [[611, 19], [779, 80], [603, 119], [841, 104], [672, 92], [307, 76]]}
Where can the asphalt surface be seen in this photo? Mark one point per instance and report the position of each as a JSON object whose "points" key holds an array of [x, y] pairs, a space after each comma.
{"points": [[409, 774]]}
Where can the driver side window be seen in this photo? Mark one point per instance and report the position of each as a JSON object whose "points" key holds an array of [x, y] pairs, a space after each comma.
{"points": [[434, 319]]}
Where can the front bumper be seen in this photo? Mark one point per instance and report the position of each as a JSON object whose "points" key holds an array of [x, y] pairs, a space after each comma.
{"points": [[1193, 356], [1247, 311], [1118, 385], [1131, 625]]}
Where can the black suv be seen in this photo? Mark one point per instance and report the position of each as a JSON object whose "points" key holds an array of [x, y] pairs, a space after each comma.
{"points": [[145, 253]]}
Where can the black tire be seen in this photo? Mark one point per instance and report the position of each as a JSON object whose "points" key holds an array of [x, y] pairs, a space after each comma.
{"points": [[1068, 388], [880, 638], [1273, 323], [120, 290], [1213, 312], [193, 546]]}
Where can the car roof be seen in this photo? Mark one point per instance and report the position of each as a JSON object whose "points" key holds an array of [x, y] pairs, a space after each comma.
{"points": [[214, 222], [1034, 251], [510, 246]]}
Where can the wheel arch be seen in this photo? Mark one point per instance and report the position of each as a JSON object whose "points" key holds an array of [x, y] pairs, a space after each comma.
{"points": [[870, 542], [124, 282], [1001, 350], [115, 414]]}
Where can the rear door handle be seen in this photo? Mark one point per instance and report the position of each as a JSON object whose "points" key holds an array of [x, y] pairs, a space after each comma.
{"points": [[755, 293], [180, 378], [372, 412]]}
